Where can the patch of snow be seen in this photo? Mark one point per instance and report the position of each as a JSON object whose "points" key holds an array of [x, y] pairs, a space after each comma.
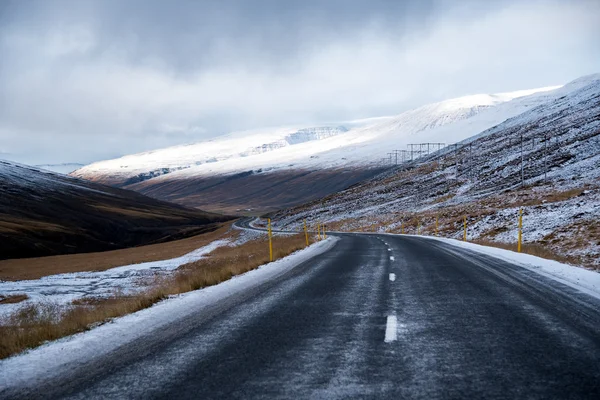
{"points": [[65, 168], [579, 278], [62, 289], [53, 358]]}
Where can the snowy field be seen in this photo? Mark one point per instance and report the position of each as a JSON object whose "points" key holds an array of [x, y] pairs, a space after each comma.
{"points": [[579, 278], [62, 289], [77, 349]]}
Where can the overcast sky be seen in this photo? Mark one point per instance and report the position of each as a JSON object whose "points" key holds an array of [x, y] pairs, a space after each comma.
{"points": [[83, 80]]}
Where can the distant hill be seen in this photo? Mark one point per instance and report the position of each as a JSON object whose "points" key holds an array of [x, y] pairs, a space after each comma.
{"points": [[44, 213], [63, 168]]}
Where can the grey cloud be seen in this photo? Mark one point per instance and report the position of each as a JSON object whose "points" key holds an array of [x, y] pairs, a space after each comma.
{"points": [[84, 80]]}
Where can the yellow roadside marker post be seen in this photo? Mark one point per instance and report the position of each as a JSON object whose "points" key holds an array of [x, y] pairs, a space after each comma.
{"points": [[402, 227], [465, 229], [305, 232], [270, 241], [324, 233], [436, 225], [520, 230]]}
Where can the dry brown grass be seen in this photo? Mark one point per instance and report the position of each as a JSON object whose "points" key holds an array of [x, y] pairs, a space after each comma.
{"points": [[445, 198], [35, 324], [35, 268], [135, 212], [13, 224], [13, 298], [534, 199], [534, 249]]}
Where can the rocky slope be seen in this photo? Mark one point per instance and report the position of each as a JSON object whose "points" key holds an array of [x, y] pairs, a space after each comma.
{"points": [[546, 160]]}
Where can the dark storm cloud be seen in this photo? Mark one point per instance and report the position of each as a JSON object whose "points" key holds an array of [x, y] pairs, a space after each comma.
{"points": [[81, 80], [191, 34]]}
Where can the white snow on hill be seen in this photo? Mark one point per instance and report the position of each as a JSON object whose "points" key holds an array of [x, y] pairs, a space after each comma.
{"points": [[63, 168], [14, 176], [361, 143]]}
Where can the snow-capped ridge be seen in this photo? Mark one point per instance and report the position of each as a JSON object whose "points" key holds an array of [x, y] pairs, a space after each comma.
{"points": [[327, 147], [301, 136]]}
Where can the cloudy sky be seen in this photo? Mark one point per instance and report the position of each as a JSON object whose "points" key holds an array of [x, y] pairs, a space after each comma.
{"points": [[84, 80]]}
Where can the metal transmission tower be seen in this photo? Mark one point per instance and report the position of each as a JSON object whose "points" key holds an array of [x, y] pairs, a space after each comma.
{"points": [[412, 151], [416, 153], [431, 147], [404, 154], [395, 154]]}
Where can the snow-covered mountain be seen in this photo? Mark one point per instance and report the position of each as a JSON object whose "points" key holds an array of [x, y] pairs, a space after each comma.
{"points": [[286, 148], [545, 160], [286, 151]]}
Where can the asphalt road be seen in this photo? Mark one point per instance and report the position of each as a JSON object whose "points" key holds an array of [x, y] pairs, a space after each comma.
{"points": [[374, 317]]}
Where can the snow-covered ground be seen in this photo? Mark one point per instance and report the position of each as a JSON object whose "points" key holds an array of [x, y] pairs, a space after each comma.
{"points": [[62, 289], [19, 175], [78, 349], [579, 278], [559, 143], [64, 168]]}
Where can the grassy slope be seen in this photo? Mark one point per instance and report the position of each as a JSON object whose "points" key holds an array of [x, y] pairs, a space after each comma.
{"points": [[44, 214], [35, 268], [37, 323], [252, 193]]}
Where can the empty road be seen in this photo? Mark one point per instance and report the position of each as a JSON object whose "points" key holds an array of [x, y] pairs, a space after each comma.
{"points": [[376, 316]]}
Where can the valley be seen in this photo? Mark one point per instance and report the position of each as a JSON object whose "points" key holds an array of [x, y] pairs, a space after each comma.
{"points": [[128, 242]]}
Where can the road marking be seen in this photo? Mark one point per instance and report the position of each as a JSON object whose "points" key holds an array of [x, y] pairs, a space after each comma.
{"points": [[389, 249], [392, 277], [392, 258], [391, 327]]}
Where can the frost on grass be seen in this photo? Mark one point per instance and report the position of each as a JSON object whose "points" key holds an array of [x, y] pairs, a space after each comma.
{"points": [[558, 185], [64, 289]]}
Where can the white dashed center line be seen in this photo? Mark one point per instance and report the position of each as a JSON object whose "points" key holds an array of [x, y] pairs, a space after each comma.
{"points": [[392, 258], [391, 328], [392, 277]]}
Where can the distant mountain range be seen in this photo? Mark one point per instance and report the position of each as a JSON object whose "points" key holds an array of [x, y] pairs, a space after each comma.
{"points": [[269, 169]]}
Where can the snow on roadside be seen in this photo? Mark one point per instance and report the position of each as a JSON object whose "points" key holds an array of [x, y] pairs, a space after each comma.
{"points": [[52, 358], [62, 289], [581, 279]]}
